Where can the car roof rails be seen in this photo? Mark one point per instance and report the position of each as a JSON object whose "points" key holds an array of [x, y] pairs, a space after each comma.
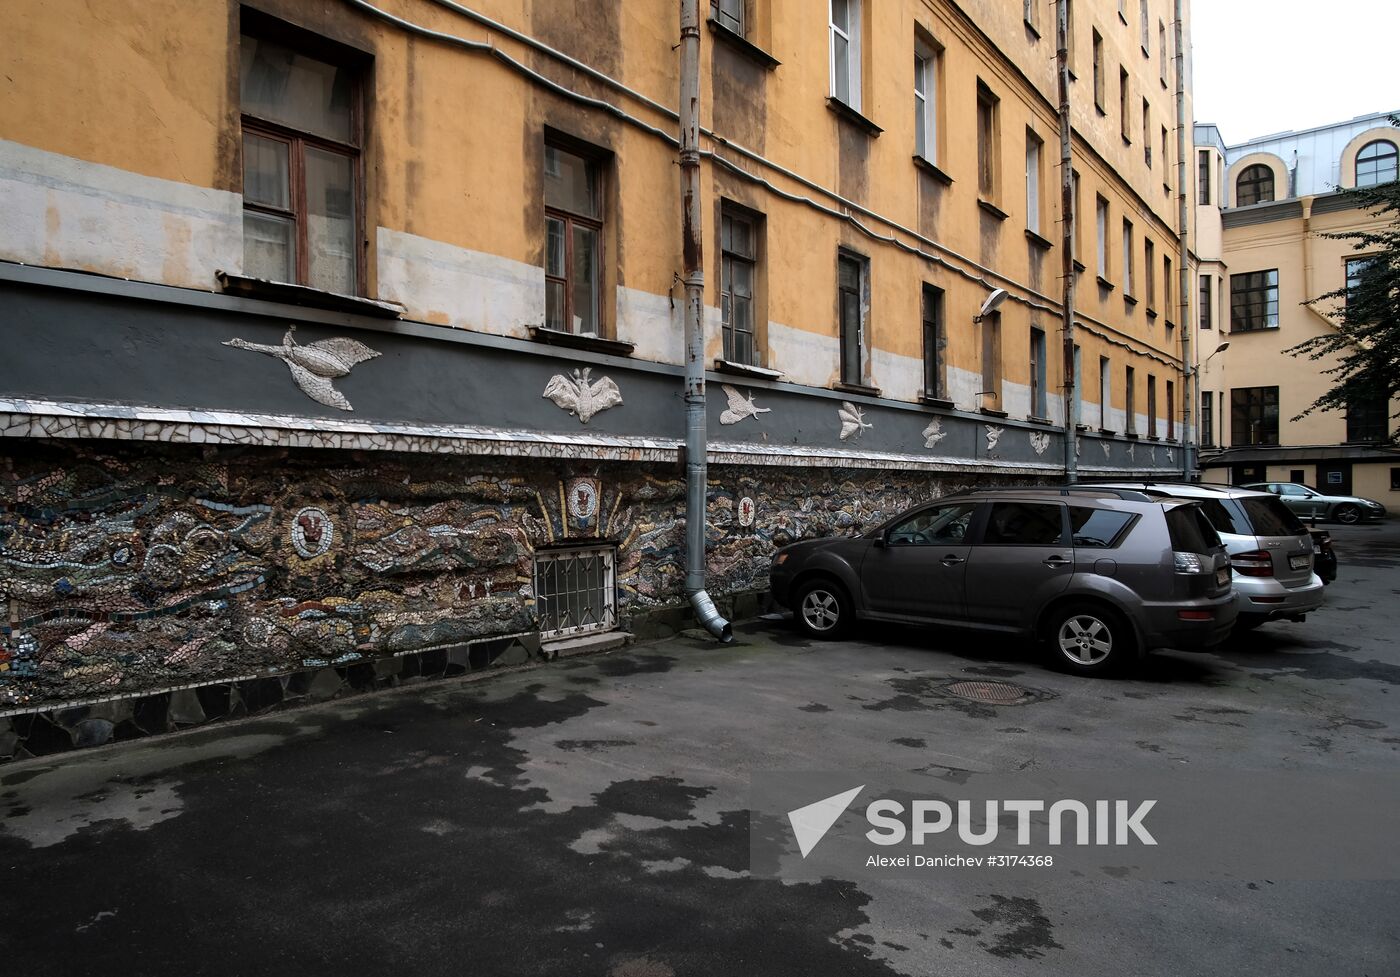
{"points": [[1126, 494]]}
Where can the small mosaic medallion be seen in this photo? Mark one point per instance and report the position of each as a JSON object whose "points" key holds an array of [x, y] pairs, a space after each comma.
{"points": [[312, 532], [583, 499], [258, 632], [746, 510]]}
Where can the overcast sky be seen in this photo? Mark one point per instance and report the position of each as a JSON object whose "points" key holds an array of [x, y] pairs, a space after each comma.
{"points": [[1264, 66]]}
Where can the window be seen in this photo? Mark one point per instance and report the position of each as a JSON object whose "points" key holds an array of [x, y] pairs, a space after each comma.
{"points": [[1078, 389], [1030, 11], [1074, 213], [986, 142], [1098, 72], [934, 342], [573, 242], [925, 101], [1376, 163], [1253, 416], [1146, 28], [1149, 258], [850, 285], [1254, 186], [1207, 419], [730, 14], [1097, 528], [1203, 177], [576, 590], [1167, 289], [845, 52], [1367, 419], [1105, 391], [1254, 301], [1162, 50], [1101, 218], [1166, 163], [1127, 258], [938, 525], [1024, 524], [1356, 270], [301, 159], [1147, 134], [738, 260], [1395, 479], [1171, 410], [1207, 301], [1124, 124], [1069, 34], [1039, 407], [1033, 153], [991, 360], [1151, 406], [1130, 392]]}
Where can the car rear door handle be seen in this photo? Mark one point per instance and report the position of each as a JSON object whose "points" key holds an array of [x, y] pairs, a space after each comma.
{"points": [[1055, 562], [951, 561]]}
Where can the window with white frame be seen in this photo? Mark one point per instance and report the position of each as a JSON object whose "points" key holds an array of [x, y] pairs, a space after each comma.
{"points": [[1101, 219], [730, 14], [925, 101], [1376, 163], [1127, 257], [1105, 391], [844, 28], [1034, 145]]}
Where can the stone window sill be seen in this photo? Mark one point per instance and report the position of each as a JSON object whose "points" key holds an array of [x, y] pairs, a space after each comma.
{"points": [[928, 400], [856, 388], [1044, 421], [1038, 241], [593, 344], [742, 44], [992, 209], [929, 167], [746, 370], [992, 412], [1105, 284], [852, 115], [317, 298]]}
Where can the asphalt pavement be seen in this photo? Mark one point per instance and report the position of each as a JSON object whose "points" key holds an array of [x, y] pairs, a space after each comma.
{"points": [[589, 816]]}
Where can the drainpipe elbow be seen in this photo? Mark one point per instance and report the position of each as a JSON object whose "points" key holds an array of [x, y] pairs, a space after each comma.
{"points": [[710, 617]]}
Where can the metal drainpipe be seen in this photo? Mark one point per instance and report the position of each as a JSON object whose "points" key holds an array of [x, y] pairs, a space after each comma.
{"points": [[1067, 242], [691, 222], [1188, 370]]}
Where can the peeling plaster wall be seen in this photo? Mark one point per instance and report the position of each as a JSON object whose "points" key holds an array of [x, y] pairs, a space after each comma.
{"points": [[58, 211]]}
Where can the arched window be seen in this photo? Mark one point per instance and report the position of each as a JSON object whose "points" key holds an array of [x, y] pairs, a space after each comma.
{"points": [[1376, 163], [1255, 186]]}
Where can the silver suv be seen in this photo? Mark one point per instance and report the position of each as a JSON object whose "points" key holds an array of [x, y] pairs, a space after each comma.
{"points": [[1100, 574], [1270, 549]]}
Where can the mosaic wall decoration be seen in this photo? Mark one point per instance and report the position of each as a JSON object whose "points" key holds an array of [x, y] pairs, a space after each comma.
{"points": [[581, 497], [580, 397], [852, 420], [315, 365], [142, 567], [740, 407]]}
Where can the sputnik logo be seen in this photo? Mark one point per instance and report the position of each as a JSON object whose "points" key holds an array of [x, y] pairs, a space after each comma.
{"points": [[811, 823]]}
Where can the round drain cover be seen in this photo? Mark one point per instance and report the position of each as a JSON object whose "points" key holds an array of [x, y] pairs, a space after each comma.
{"points": [[999, 692]]}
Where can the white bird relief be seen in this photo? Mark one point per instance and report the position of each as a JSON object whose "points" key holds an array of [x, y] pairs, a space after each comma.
{"points": [[1107, 448], [934, 433], [1078, 446], [852, 420], [316, 364], [993, 436], [580, 397], [740, 407], [1132, 451], [1171, 458], [1154, 454], [1040, 441]]}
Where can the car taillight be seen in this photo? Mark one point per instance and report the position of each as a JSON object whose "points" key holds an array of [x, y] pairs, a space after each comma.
{"points": [[1255, 563], [1189, 563]]}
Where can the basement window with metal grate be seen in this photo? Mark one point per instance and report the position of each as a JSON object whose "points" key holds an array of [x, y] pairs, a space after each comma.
{"points": [[576, 590]]}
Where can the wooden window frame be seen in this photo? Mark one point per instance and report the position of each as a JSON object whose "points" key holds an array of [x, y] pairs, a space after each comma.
{"points": [[860, 263], [1258, 177], [988, 143], [297, 142], [1171, 410], [1251, 290], [1248, 404], [726, 263], [596, 162], [931, 305]]}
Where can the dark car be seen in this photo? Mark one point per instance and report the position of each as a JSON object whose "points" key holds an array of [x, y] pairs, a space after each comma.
{"points": [[1324, 556], [1100, 574]]}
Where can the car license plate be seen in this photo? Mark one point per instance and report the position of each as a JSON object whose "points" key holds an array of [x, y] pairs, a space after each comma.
{"points": [[1222, 576], [1317, 550], [1298, 561]]}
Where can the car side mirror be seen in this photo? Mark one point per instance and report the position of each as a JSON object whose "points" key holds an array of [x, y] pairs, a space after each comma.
{"points": [[881, 541]]}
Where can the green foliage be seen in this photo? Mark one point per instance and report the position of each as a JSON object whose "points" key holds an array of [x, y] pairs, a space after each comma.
{"points": [[1366, 342]]}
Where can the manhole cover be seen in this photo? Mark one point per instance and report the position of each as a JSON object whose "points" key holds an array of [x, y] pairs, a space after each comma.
{"points": [[1001, 693]]}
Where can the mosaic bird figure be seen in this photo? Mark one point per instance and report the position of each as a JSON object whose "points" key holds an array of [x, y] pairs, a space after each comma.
{"points": [[316, 364], [580, 397], [740, 407], [852, 420]]}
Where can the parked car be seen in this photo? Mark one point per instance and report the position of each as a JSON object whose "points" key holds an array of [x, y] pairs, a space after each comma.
{"points": [[1324, 556], [1308, 503], [1271, 552], [1099, 574]]}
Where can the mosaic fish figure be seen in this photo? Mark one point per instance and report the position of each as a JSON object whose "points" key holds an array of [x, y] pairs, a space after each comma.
{"points": [[852, 420], [740, 407], [316, 364], [580, 397]]}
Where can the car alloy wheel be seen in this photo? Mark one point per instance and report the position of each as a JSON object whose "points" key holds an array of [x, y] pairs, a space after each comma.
{"points": [[1085, 639], [1347, 514], [822, 610]]}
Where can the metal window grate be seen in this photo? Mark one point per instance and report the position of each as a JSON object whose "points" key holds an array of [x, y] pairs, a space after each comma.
{"points": [[575, 591]]}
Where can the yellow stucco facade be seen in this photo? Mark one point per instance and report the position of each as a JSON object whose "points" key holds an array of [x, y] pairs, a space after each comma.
{"points": [[132, 167]]}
